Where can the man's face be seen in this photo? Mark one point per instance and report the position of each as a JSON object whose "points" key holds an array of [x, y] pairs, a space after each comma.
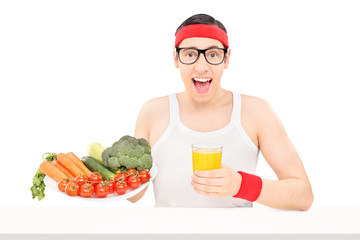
{"points": [[201, 79]]}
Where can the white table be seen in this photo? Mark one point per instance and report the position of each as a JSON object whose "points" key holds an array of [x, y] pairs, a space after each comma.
{"points": [[165, 223]]}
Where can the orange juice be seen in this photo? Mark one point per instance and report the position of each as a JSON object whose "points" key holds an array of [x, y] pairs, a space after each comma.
{"points": [[206, 158]]}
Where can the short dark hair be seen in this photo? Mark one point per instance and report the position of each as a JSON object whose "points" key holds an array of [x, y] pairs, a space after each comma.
{"points": [[201, 19]]}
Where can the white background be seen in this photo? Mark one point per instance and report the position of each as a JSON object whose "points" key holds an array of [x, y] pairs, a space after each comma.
{"points": [[77, 72]]}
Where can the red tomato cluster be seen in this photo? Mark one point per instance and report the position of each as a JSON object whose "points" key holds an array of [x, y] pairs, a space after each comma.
{"points": [[86, 187]]}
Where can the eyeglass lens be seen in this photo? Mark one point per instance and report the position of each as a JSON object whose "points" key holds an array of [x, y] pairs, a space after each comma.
{"points": [[212, 55]]}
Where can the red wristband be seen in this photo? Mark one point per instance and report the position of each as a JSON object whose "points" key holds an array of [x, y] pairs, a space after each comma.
{"points": [[250, 188]]}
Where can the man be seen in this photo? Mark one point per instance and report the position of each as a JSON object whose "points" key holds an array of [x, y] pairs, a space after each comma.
{"points": [[207, 113]]}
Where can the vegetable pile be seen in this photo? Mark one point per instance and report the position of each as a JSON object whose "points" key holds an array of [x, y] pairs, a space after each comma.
{"points": [[113, 170]]}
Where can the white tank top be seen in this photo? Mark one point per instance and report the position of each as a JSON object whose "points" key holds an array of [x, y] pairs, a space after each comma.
{"points": [[172, 154]]}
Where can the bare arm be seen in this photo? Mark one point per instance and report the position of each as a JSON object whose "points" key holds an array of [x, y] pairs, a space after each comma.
{"points": [[292, 190], [141, 131]]}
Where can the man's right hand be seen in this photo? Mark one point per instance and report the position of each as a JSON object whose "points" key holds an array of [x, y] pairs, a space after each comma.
{"points": [[138, 196]]}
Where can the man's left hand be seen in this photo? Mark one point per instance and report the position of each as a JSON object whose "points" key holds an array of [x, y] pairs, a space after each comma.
{"points": [[222, 182]]}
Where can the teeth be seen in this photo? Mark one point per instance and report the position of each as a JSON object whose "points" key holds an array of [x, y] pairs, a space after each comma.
{"points": [[202, 79]]}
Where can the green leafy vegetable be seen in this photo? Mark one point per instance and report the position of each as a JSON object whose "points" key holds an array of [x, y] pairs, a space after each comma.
{"points": [[38, 187]]}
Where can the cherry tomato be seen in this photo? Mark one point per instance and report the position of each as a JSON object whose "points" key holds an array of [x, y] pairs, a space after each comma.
{"points": [[144, 176], [86, 190], [121, 187], [95, 177], [101, 190], [131, 170], [111, 185], [80, 180], [134, 182], [62, 184], [72, 188], [122, 176]]}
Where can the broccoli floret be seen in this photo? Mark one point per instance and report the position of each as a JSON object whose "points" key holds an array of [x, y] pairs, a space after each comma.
{"points": [[139, 151], [128, 152], [126, 138], [124, 148], [145, 162], [112, 162], [128, 162], [129, 139], [145, 144], [105, 154]]}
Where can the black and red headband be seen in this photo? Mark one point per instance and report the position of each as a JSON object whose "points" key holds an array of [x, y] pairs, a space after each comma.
{"points": [[202, 30]]}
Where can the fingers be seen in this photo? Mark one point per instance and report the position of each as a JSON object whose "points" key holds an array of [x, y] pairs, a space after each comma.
{"points": [[208, 181], [206, 189], [215, 173], [208, 194], [216, 183], [211, 187]]}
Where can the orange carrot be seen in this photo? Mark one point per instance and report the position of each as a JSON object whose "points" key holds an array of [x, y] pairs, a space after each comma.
{"points": [[69, 164], [63, 169], [50, 170], [79, 163]]}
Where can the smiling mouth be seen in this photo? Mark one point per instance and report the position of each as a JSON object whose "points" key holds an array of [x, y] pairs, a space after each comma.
{"points": [[202, 84]]}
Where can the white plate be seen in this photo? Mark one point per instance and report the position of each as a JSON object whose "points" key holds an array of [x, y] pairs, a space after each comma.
{"points": [[53, 189]]}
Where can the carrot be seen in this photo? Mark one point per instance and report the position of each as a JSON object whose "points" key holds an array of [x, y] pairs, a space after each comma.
{"points": [[63, 169], [50, 170], [79, 163], [69, 164]]}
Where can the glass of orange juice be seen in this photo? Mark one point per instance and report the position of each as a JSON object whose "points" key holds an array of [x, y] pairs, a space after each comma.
{"points": [[206, 156]]}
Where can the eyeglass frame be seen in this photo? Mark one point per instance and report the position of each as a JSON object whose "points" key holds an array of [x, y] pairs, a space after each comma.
{"points": [[202, 51]]}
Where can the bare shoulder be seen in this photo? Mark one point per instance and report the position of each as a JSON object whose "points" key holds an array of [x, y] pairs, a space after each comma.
{"points": [[263, 118], [156, 104], [256, 115], [154, 113], [254, 103]]}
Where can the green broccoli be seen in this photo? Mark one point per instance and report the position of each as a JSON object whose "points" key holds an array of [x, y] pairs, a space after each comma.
{"points": [[128, 162], [128, 152], [113, 163], [145, 162]]}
